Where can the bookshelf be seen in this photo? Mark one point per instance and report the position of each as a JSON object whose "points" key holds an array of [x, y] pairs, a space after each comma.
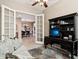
{"points": [[66, 24]]}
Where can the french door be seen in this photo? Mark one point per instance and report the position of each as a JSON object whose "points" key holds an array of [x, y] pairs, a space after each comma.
{"points": [[40, 29], [8, 22]]}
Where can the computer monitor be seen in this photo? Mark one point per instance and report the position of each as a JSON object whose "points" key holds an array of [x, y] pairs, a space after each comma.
{"points": [[55, 32]]}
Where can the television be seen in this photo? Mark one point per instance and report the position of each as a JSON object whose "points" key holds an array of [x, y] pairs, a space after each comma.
{"points": [[55, 32]]}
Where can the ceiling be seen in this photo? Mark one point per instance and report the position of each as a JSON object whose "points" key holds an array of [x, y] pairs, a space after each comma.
{"points": [[30, 2], [27, 4], [37, 7]]}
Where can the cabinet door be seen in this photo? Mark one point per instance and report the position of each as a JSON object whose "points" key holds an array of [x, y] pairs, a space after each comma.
{"points": [[40, 29], [8, 22]]}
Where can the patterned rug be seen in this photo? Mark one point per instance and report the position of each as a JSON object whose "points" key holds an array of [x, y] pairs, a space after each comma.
{"points": [[37, 53]]}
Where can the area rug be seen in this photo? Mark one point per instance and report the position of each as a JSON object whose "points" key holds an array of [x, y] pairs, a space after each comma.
{"points": [[37, 52]]}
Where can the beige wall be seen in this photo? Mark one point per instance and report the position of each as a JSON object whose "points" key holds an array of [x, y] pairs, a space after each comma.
{"points": [[63, 7]]}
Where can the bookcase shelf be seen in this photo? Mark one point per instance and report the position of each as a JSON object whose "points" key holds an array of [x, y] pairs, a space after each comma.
{"points": [[65, 24]]}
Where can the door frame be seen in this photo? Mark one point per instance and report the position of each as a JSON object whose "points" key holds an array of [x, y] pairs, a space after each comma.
{"points": [[35, 24], [25, 13]]}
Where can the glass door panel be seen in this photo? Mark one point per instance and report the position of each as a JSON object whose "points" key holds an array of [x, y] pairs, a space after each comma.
{"points": [[11, 23], [39, 27], [7, 22]]}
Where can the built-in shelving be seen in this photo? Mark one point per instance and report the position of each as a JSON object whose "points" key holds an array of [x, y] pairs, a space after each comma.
{"points": [[66, 24]]}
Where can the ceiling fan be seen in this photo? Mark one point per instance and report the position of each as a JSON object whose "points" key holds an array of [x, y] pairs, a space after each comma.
{"points": [[41, 2]]}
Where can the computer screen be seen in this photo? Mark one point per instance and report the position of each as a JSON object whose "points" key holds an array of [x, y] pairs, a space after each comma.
{"points": [[55, 32]]}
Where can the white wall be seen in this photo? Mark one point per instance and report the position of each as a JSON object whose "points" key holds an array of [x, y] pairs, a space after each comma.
{"points": [[63, 7], [19, 6]]}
